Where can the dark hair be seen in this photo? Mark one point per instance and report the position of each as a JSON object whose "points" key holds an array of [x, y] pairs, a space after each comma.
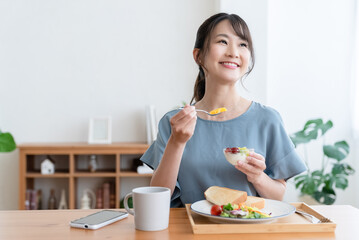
{"points": [[203, 42]]}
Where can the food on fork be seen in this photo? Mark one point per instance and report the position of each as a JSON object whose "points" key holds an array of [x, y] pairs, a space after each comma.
{"points": [[218, 110], [235, 154]]}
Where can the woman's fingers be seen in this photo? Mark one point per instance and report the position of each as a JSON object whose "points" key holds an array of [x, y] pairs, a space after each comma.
{"points": [[184, 115], [253, 167], [257, 161], [256, 155], [183, 124]]}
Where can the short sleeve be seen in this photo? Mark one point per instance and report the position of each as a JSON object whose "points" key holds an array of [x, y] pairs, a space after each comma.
{"points": [[282, 160], [152, 157]]}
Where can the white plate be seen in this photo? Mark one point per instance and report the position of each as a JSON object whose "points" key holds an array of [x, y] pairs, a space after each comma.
{"points": [[277, 209]]}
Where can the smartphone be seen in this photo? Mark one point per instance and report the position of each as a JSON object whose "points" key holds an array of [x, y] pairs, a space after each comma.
{"points": [[98, 219]]}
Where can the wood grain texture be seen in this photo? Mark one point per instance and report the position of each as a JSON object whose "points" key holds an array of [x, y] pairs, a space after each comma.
{"points": [[290, 224], [54, 224]]}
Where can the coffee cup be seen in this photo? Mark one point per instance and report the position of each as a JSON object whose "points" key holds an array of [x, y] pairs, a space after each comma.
{"points": [[151, 207]]}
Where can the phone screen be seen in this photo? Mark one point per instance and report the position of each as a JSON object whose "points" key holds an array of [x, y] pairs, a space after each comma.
{"points": [[99, 219]]}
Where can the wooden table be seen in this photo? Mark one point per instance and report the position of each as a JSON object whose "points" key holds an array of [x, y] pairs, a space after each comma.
{"points": [[54, 224]]}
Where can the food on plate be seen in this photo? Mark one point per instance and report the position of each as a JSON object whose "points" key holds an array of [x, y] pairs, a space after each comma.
{"points": [[234, 203], [238, 211], [235, 154], [218, 110], [221, 195], [257, 202]]}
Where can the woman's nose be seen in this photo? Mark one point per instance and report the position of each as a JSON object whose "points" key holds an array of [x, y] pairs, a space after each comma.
{"points": [[232, 51]]}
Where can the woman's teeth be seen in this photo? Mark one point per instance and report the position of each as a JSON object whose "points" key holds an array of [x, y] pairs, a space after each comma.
{"points": [[230, 64]]}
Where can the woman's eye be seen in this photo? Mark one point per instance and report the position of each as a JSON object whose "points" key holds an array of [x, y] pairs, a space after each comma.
{"points": [[222, 41], [243, 45]]}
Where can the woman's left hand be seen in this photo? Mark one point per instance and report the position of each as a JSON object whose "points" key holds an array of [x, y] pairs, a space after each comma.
{"points": [[253, 167]]}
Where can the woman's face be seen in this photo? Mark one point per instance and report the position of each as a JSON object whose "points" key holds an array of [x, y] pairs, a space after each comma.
{"points": [[228, 56]]}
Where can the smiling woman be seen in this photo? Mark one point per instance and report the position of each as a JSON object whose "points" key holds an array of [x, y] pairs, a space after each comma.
{"points": [[188, 153]]}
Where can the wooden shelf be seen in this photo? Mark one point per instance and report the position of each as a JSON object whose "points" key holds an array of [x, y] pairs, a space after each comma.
{"points": [[55, 175], [94, 174], [134, 174], [71, 170]]}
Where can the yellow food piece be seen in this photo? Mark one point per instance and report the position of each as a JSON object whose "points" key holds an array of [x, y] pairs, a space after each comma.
{"points": [[254, 209], [218, 110]]}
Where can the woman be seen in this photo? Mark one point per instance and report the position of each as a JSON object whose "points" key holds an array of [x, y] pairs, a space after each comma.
{"points": [[188, 153]]}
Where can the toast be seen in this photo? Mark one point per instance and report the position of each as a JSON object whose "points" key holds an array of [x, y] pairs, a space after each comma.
{"points": [[221, 195], [257, 202]]}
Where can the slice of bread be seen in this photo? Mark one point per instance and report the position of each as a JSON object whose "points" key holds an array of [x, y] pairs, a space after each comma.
{"points": [[255, 202], [221, 195]]}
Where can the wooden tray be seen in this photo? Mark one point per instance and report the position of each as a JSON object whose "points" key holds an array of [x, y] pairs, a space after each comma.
{"points": [[292, 223]]}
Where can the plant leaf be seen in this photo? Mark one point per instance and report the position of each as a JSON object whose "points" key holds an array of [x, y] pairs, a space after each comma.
{"points": [[308, 186], [313, 123], [326, 126], [326, 196], [341, 182], [348, 169], [338, 151], [299, 138], [310, 131], [343, 145], [7, 142], [338, 168]]}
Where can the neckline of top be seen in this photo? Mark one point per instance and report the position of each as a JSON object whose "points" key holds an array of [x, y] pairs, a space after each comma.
{"points": [[233, 119]]}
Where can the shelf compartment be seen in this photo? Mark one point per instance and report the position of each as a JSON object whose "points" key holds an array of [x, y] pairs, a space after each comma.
{"points": [[45, 185], [105, 163], [130, 162], [33, 162], [94, 184]]}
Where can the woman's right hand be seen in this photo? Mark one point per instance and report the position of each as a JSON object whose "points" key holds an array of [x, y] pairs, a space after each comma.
{"points": [[183, 124]]}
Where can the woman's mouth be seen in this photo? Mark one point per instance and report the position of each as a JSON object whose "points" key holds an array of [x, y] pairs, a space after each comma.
{"points": [[230, 65]]}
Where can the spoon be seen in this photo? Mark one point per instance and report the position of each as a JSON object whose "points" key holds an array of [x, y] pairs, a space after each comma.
{"points": [[212, 113]]}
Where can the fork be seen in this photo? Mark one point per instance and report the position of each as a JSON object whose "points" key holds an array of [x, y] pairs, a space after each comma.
{"points": [[210, 114], [313, 219]]}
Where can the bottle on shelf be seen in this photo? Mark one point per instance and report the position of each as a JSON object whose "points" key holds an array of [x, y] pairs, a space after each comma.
{"points": [[63, 203], [39, 199], [93, 163], [52, 200]]}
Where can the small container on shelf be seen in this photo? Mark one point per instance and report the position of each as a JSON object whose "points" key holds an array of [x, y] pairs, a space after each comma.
{"points": [[93, 164], [51, 204]]}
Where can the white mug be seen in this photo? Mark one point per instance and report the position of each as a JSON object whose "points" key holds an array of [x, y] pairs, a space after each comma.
{"points": [[151, 207]]}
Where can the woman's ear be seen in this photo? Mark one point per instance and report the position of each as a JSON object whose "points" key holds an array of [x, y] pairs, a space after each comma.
{"points": [[196, 56]]}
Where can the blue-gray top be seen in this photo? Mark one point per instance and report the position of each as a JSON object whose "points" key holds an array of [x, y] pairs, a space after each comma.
{"points": [[203, 163]]}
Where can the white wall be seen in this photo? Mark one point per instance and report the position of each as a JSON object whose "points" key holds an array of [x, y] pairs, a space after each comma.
{"points": [[304, 55], [62, 62], [310, 47]]}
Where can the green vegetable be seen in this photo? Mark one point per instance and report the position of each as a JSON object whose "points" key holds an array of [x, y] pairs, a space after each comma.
{"points": [[228, 207], [224, 214]]}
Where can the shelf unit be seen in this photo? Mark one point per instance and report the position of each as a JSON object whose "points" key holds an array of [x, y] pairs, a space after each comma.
{"points": [[115, 163]]}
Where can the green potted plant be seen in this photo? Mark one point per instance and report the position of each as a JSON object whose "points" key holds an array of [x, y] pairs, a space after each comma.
{"points": [[333, 174], [7, 142]]}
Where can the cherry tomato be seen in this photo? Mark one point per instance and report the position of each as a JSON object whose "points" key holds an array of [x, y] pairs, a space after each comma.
{"points": [[216, 210]]}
